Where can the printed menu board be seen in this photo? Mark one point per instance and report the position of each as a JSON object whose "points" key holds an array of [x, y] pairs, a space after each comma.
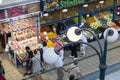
{"points": [[53, 4], [34, 7]]}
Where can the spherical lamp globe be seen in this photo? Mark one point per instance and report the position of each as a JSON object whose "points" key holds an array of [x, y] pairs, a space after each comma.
{"points": [[74, 34], [111, 34], [50, 56]]}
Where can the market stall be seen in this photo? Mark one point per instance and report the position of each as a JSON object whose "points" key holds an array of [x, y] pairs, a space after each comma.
{"points": [[23, 24]]}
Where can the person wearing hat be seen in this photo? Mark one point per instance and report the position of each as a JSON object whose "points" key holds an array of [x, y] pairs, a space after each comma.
{"points": [[74, 69]]}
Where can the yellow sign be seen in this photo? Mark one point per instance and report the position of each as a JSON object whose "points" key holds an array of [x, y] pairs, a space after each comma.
{"points": [[51, 4]]}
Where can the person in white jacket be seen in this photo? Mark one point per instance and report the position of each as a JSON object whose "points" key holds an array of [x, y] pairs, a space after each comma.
{"points": [[83, 46]]}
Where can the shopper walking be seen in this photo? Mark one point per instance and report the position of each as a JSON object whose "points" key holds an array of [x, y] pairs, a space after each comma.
{"points": [[83, 46], [73, 48], [60, 69], [45, 66], [74, 70], [28, 59], [58, 45], [36, 66], [41, 57]]}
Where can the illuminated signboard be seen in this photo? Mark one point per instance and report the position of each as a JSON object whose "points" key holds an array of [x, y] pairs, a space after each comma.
{"points": [[67, 3], [52, 4]]}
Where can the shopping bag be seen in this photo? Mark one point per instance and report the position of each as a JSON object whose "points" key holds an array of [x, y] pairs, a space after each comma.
{"points": [[24, 63]]}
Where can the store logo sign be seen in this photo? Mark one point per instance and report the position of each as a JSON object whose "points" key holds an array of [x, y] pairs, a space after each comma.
{"points": [[48, 6], [67, 3]]}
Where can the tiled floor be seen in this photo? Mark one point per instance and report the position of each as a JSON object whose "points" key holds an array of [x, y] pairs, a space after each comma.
{"points": [[88, 63], [113, 76]]}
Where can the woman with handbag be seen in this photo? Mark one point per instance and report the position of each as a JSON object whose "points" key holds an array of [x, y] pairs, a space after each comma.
{"points": [[36, 67]]}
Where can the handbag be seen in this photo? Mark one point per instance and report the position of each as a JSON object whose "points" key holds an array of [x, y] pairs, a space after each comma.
{"points": [[24, 63]]}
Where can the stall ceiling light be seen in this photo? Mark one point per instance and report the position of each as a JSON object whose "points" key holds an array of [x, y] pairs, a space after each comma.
{"points": [[118, 13], [45, 14], [64, 10], [101, 1], [85, 5]]}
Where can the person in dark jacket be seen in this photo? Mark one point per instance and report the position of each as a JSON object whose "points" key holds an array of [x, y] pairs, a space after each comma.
{"points": [[28, 59], [73, 48]]}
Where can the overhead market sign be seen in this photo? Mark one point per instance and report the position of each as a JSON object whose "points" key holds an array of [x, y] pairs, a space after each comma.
{"points": [[52, 4], [67, 3]]}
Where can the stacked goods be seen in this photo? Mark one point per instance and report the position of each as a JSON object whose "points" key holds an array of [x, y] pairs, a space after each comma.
{"points": [[51, 35], [13, 12], [105, 15], [76, 19], [45, 28], [118, 22], [16, 11], [108, 17], [21, 39], [90, 20], [95, 23], [102, 14], [13, 25], [112, 24]]}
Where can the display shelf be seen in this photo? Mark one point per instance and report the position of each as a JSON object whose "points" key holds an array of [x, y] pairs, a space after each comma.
{"points": [[17, 25], [19, 40]]}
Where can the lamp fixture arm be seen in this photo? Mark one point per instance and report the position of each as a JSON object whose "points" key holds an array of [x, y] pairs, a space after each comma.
{"points": [[84, 29], [66, 45]]}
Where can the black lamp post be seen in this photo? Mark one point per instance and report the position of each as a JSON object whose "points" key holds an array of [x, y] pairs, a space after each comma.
{"points": [[110, 35]]}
